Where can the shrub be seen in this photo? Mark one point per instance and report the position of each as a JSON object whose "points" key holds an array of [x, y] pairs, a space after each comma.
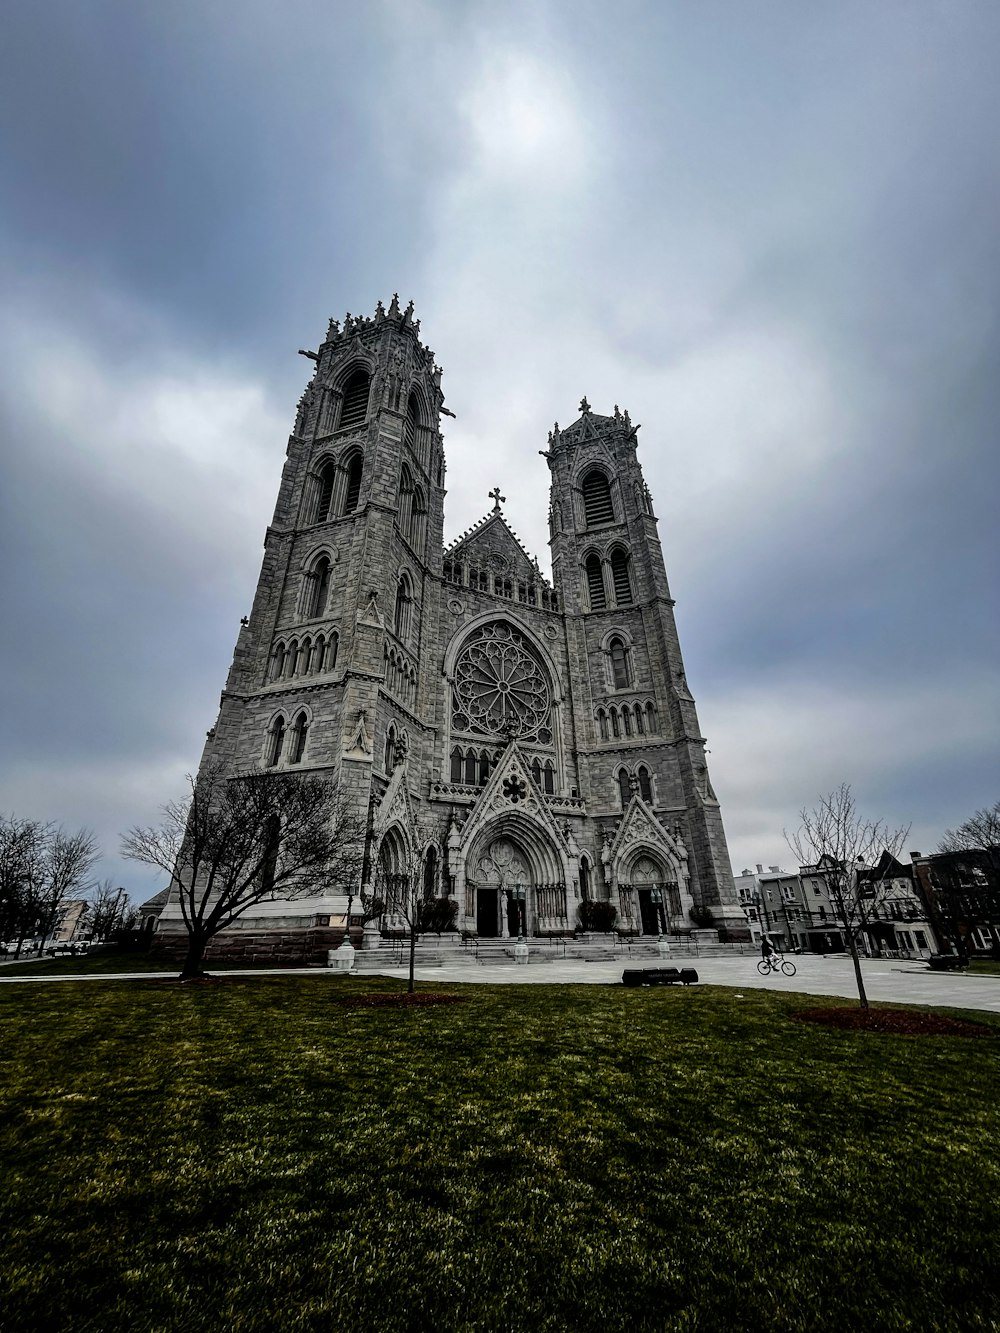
{"points": [[598, 916], [437, 915]]}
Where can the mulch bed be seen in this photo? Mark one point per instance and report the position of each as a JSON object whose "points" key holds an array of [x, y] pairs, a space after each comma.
{"points": [[902, 1022], [398, 1000]]}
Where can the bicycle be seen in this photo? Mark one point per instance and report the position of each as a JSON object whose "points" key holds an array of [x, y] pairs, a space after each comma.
{"points": [[776, 965]]}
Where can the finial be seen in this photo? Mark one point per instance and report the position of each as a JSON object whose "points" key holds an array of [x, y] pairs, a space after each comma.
{"points": [[408, 313], [394, 306], [618, 415], [584, 405], [497, 498], [379, 311]]}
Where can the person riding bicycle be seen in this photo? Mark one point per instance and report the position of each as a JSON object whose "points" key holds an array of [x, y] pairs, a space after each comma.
{"points": [[767, 949]]}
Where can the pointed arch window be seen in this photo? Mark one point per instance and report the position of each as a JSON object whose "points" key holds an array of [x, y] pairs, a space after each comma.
{"points": [[616, 729], [549, 778], [330, 657], [597, 507], [419, 520], [352, 491], [595, 582], [619, 664], [277, 662], [584, 878], [269, 857], [621, 577], [275, 741], [327, 477], [470, 768], [456, 765], [405, 502], [355, 405], [651, 718], [484, 768], [404, 603], [645, 784], [536, 772], [624, 790], [412, 421], [299, 732], [602, 723], [640, 725], [389, 753], [430, 873], [317, 587]]}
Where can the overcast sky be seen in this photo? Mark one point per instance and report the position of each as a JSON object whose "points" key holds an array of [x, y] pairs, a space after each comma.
{"points": [[769, 230]]}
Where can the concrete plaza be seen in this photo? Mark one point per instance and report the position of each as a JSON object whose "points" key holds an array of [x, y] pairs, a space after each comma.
{"points": [[887, 981]]}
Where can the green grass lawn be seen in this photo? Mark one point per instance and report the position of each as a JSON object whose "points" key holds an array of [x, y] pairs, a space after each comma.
{"points": [[256, 1156], [984, 967]]}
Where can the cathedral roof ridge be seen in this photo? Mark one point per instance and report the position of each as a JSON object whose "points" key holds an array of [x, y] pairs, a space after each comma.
{"points": [[480, 525]]}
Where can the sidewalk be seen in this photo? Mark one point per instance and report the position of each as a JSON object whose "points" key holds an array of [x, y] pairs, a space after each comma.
{"points": [[887, 981]]}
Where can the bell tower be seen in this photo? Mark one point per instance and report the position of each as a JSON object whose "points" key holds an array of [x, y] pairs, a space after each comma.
{"points": [[351, 569], [634, 717]]}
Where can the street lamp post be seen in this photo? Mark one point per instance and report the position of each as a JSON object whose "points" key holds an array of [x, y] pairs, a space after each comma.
{"points": [[519, 895]]}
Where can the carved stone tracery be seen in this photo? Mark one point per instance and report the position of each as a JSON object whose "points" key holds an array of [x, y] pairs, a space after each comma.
{"points": [[500, 688]]}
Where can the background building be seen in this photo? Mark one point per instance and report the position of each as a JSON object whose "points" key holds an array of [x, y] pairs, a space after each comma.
{"points": [[507, 736]]}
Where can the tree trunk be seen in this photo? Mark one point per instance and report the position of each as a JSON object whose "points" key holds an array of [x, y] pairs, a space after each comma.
{"points": [[413, 954], [192, 962], [853, 945]]}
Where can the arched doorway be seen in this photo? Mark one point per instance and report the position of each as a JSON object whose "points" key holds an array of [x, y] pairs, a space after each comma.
{"points": [[648, 880], [392, 879], [502, 880]]}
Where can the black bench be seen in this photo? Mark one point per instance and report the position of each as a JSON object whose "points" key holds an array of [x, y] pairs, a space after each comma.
{"points": [[659, 976], [946, 962]]}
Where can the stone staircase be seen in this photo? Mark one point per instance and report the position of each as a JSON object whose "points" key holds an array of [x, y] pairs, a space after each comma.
{"points": [[452, 951]]}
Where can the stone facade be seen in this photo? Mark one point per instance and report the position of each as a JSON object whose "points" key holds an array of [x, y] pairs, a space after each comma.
{"points": [[521, 744]]}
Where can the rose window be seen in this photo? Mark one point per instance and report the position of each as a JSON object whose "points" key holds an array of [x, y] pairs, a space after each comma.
{"points": [[499, 686]]}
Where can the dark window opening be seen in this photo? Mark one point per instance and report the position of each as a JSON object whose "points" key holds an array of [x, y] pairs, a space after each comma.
{"points": [[595, 583], [597, 505], [621, 578], [355, 407], [353, 490]]}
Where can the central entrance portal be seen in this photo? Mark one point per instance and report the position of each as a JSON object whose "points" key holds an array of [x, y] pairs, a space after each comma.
{"points": [[502, 882]]}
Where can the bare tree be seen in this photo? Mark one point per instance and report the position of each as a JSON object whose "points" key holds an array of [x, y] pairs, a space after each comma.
{"points": [[839, 841], [403, 895], [110, 910], [242, 839], [980, 832], [41, 866]]}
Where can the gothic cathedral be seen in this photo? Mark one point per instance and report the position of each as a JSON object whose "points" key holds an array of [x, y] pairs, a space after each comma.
{"points": [[528, 748]]}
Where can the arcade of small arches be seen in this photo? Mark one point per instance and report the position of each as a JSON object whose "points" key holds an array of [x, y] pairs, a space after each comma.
{"points": [[400, 676], [626, 719], [471, 767], [312, 655], [499, 584]]}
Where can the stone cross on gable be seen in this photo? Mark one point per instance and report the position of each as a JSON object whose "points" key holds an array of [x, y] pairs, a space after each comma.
{"points": [[497, 498]]}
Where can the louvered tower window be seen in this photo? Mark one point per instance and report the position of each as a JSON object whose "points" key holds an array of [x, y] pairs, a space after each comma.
{"points": [[355, 407], [595, 583], [412, 421], [353, 493], [597, 505], [621, 578], [326, 477]]}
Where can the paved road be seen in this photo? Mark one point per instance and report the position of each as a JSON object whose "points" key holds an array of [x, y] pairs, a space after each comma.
{"points": [[894, 982]]}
